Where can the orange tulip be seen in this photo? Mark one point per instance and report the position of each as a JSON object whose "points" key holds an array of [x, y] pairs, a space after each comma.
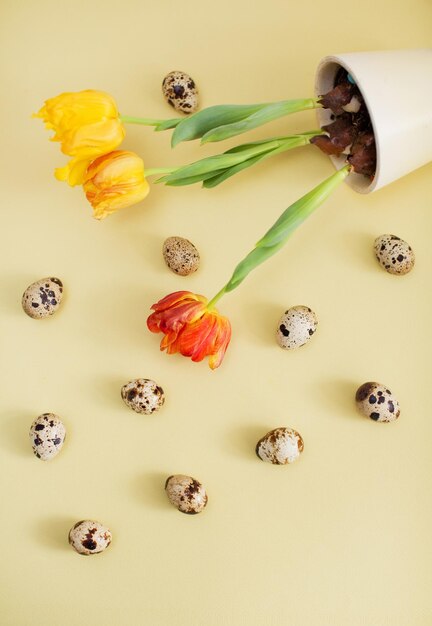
{"points": [[190, 327], [115, 181]]}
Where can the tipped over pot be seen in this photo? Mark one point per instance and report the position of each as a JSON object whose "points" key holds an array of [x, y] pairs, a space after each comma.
{"points": [[396, 86]]}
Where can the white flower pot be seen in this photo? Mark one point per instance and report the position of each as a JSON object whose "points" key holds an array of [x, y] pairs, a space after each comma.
{"points": [[397, 88]]}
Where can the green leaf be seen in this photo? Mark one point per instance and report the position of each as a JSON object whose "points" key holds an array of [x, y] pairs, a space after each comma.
{"points": [[200, 123], [277, 236], [281, 138], [167, 124], [188, 181], [219, 177], [294, 215], [232, 160], [218, 162], [288, 143], [249, 263], [268, 113]]}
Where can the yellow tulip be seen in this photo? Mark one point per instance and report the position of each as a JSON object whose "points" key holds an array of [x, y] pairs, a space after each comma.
{"points": [[87, 125], [115, 181]]}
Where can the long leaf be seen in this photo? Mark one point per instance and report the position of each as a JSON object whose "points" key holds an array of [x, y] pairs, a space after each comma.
{"points": [[219, 177], [231, 160], [167, 124], [245, 146], [278, 234], [189, 181], [249, 263], [290, 143], [199, 123], [218, 162], [262, 116], [301, 209]]}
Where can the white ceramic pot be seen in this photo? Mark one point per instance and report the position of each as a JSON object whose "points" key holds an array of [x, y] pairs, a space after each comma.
{"points": [[397, 88]]}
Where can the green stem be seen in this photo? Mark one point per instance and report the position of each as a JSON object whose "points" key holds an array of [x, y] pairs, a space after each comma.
{"points": [[128, 119], [217, 297], [159, 170]]}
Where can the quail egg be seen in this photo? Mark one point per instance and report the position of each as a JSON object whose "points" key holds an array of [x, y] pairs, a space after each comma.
{"points": [[43, 297], [89, 537], [280, 446], [143, 395], [47, 435], [180, 255], [180, 91], [296, 327], [186, 494], [394, 254], [377, 402]]}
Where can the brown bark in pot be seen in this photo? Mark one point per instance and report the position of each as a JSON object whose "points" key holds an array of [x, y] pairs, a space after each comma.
{"points": [[325, 144], [338, 97], [363, 154]]}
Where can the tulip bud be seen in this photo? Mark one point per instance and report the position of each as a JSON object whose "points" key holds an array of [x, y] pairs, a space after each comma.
{"points": [[87, 125], [115, 181]]}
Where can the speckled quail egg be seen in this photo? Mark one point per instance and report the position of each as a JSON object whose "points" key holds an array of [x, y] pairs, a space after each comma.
{"points": [[296, 327], [180, 255], [186, 494], [143, 395], [377, 402], [47, 435], [43, 297], [280, 446], [394, 254], [180, 91], [89, 537]]}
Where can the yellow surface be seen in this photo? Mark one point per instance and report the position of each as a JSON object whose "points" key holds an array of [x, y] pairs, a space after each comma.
{"points": [[342, 537]]}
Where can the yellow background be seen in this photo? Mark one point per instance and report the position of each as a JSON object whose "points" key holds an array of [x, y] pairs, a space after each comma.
{"points": [[342, 537]]}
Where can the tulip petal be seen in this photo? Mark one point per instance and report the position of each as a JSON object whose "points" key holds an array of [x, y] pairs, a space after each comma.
{"points": [[221, 344], [195, 338], [190, 328], [73, 173], [93, 139], [115, 181], [87, 125], [172, 298]]}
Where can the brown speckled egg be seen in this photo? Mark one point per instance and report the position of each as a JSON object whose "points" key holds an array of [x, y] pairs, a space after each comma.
{"points": [[180, 91], [280, 446], [377, 402], [143, 395], [89, 537], [186, 494], [180, 255], [47, 435], [43, 297], [296, 327], [394, 254]]}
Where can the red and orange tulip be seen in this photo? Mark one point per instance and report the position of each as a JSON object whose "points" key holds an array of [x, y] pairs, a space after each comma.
{"points": [[190, 327]]}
